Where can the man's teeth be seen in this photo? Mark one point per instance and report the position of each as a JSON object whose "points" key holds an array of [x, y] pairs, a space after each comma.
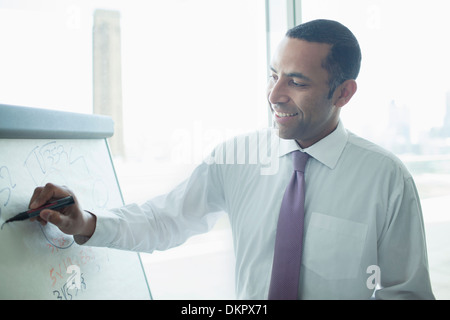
{"points": [[281, 115]]}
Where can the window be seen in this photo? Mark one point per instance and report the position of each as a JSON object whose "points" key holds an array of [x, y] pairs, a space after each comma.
{"points": [[193, 73], [403, 100]]}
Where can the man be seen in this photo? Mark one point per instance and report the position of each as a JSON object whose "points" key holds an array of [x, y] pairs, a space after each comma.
{"points": [[363, 232]]}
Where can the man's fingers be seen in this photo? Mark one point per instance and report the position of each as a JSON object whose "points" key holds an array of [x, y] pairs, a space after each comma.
{"points": [[42, 195], [65, 222], [35, 195], [54, 217]]}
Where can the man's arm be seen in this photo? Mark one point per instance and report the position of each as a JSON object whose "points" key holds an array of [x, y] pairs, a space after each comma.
{"points": [[162, 222], [402, 252]]}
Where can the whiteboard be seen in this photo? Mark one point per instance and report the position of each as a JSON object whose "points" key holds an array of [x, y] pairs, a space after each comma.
{"points": [[40, 262]]}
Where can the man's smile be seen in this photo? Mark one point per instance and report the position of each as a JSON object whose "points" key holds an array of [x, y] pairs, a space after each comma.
{"points": [[285, 115]]}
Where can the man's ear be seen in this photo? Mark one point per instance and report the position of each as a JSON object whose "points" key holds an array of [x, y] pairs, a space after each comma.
{"points": [[344, 92]]}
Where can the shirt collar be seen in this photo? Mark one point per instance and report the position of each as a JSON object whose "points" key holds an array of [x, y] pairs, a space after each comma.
{"points": [[327, 150]]}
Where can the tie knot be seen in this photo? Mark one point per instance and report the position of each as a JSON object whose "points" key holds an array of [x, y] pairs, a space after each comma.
{"points": [[299, 160]]}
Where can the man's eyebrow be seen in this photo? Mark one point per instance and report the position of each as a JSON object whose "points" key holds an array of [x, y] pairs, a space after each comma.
{"points": [[293, 74]]}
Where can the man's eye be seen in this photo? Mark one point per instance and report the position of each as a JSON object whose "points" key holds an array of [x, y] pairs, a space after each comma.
{"points": [[274, 77], [297, 84]]}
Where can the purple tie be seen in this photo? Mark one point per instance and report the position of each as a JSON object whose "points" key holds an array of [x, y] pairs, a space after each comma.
{"points": [[288, 243]]}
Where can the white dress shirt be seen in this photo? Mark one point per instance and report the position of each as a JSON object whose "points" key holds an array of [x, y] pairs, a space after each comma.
{"points": [[363, 220]]}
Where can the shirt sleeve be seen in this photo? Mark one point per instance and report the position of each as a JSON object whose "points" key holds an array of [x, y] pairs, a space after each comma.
{"points": [[165, 221], [402, 253]]}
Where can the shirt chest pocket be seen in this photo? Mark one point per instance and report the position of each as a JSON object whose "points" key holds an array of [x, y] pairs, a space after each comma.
{"points": [[333, 247]]}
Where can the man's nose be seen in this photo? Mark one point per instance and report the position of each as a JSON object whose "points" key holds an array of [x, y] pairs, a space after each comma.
{"points": [[277, 93]]}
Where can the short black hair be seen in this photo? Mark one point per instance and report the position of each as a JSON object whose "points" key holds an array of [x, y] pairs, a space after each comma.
{"points": [[344, 59]]}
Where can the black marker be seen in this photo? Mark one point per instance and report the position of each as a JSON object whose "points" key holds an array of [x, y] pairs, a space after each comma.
{"points": [[60, 203]]}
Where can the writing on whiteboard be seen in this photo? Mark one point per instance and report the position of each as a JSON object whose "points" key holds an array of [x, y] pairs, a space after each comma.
{"points": [[6, 187]]}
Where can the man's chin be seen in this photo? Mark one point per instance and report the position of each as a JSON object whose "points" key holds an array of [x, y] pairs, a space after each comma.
{"points": [[284, 134]]}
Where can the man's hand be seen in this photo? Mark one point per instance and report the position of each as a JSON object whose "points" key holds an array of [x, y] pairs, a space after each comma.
{"points": [[70, 220]]}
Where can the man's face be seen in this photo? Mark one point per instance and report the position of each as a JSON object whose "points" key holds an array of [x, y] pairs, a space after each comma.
{"points": [[298, 92]]}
